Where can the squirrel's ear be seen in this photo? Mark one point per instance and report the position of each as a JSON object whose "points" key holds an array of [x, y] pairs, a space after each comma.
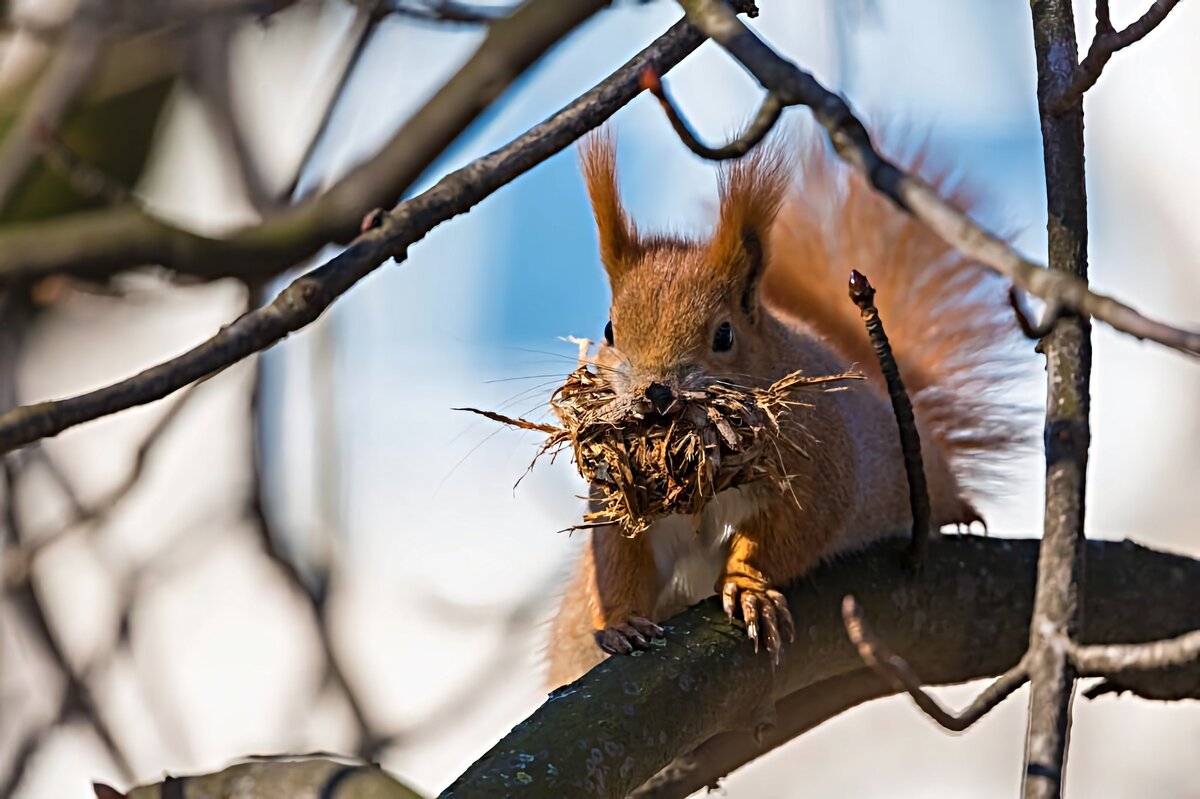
{"points": [[618, 236], [752, 190]]}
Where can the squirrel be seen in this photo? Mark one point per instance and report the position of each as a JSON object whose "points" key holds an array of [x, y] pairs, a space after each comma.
{"points": [[761, 297]]}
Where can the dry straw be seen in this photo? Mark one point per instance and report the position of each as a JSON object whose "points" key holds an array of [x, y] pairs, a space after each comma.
{"points": [[644, 464]]}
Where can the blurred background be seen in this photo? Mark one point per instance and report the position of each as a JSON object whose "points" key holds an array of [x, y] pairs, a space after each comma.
{"points": [[312, 551]]}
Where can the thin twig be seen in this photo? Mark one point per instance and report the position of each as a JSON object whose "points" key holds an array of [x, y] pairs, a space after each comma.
{"points": [[1029, 328], [1105, 661], [893, 668], [793, 86], [309, 295], [19, 560], [764, 120], [30, 603], [447, 11], [862, 293], [1105, 43], [368, 24]]}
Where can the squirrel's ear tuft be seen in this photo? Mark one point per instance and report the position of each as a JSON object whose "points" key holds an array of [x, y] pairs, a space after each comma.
{"points": [[618, 236], [752, 189]]}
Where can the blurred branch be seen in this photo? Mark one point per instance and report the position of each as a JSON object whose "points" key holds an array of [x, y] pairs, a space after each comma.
{"points": [[1105, 43], [1067, 433], [315, 592], [309, 295], [210, 75], [597, 737], [19, 560], [30, 606], [60, 84], [367, 24], [96, 244], [793, 86], [447, 11], [85, 177]]}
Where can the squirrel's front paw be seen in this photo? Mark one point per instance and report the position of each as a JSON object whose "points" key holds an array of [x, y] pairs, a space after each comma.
{"points": [[634, 633], [764, 610]]}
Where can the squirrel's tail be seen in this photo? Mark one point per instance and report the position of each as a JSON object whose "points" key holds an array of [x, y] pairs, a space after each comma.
{"points": [[948, 319]]}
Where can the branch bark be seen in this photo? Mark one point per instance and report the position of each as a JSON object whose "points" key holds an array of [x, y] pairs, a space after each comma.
{"points": [[1067, 432], [964, 618], [308, 296]]}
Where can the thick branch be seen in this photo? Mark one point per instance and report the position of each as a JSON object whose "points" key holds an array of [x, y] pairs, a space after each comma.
{"points": [[964, 618], [98, 243], [308, 296], [793, 86]]}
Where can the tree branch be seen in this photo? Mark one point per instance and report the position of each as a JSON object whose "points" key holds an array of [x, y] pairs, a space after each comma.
{"points": [[1105, 43], [1067, 433], [616, 727], [309, 295], [764, 120], [98, 243], [862, 294], [793, 86], [893, 668]]}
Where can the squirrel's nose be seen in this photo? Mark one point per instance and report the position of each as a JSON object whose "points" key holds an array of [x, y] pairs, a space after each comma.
{"points": [[660, 396]]}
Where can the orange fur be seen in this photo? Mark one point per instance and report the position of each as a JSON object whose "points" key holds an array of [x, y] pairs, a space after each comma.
{"points": [[775, 271], [945, 316], [618, 236]]}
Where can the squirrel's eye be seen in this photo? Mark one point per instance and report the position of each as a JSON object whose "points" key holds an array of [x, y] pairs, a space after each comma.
{"points": [[608, 334], [723, 338]]}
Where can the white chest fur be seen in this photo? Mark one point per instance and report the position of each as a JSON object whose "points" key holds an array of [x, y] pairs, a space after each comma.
{"points": [[689, 551]]}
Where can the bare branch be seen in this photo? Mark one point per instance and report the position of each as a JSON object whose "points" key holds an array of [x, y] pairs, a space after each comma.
{"points": [[309, 295], [69, 70], [1067, 432], [29, 601], [446, 11], [793, 86], [18, 560], [1105, 43], [862, 293], [900, 675], [764, 120], [595, 737], [96, 244], [1105, 661]]}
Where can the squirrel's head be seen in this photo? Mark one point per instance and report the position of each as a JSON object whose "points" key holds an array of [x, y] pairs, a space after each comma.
{"points": [[685, 312]]}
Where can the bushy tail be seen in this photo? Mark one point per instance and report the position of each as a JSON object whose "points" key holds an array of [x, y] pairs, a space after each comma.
{"points": [[948, 318]]}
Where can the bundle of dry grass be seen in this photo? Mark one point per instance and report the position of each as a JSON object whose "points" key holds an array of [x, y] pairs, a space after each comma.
{"points": [[646, 464]]}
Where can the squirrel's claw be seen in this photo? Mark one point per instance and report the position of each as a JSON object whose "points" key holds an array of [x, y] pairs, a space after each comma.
{"points": [[766, 614], [634, 633]]}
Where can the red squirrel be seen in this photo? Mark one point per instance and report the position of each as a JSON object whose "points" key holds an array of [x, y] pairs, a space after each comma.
{"points": [[762, 296]]}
